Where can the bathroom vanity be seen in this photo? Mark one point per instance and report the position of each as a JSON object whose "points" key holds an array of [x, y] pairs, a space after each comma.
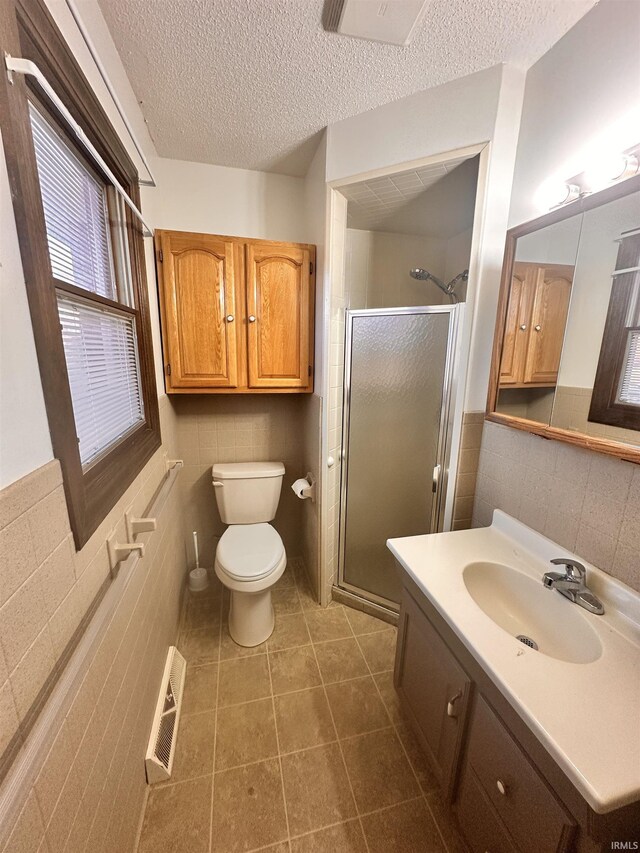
{"points": [[535, 741]]}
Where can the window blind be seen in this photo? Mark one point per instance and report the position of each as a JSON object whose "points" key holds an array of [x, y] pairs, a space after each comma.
{"points": [[629, 392], [75, 212], [104, 376]]}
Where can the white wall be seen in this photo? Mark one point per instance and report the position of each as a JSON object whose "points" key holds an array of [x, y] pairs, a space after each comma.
{"points": [[458, 254], [492, 206], [236, 202], [555, 244], [378, 264], [586, 84], [316, 210], [24, 431], [435, 121]]}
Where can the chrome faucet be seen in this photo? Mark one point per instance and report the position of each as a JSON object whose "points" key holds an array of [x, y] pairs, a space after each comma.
{"points": [[572, 584]]}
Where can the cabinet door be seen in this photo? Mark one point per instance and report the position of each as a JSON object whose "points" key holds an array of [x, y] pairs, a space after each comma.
{"points": [[552, 291], [279, 315], [514, 345], [434, 691], [197, 275]]}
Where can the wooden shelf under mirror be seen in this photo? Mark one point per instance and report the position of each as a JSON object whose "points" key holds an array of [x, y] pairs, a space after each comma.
{"points": [[566, 351]]}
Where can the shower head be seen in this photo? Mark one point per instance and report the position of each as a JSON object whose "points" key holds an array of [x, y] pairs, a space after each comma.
{"points": [[424, 275]]}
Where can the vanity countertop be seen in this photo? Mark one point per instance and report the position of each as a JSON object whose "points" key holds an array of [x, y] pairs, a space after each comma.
{"points": [[587, 715]]}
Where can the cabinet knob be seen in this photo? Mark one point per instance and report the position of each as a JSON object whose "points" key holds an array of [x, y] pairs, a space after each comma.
{"points": [[501, 787], [523, 327], [252, 319], [451, 709], [537, 328], [229, 318]]}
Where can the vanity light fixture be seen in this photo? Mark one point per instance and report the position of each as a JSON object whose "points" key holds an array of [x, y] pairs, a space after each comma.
{"points": [[554, 193], [609, 168]]}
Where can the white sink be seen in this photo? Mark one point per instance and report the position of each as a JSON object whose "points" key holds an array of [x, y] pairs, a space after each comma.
{"points": [[524, 608], [578, 693]]}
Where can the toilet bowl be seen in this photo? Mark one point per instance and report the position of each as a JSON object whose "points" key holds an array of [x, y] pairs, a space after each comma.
{"points": [[250, 557]]}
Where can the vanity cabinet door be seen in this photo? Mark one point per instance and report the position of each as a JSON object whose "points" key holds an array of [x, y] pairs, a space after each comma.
{"points": [[198, 305], [514, 344], [552, 290], [519, 808], [535, 323], [280, 315], [434, 691]]}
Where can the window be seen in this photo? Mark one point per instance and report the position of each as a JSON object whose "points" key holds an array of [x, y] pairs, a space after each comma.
{"points": [[83, 256], [100, 345], [616, 391]]}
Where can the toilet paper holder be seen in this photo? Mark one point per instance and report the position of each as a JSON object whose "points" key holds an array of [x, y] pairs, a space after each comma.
{"points": [[305, 487]]}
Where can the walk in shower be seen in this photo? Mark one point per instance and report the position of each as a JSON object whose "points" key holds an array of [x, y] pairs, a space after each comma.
{"points": [[397, 388]]}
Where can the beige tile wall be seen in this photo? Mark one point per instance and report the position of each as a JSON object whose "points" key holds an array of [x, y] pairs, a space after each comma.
{"points": [[470, 440], [46, 587], [535, 404], [571, 411], [586, 502], [238, 429], [90, 790]]}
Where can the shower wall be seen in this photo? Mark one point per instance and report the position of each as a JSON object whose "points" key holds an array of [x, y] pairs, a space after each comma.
{"points": [[378, 264]]}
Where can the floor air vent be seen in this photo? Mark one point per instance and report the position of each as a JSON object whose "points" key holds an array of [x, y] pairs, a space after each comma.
{"points": [[162, 742]]}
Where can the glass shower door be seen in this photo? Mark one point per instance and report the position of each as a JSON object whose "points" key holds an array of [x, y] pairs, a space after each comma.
{"points": [[397, 366]]}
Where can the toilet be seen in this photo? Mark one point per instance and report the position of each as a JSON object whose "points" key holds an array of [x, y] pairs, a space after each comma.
{"points": [[250, 556]]}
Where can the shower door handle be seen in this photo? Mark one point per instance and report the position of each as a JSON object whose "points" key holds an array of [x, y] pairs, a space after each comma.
{"points": [[435, 482]]}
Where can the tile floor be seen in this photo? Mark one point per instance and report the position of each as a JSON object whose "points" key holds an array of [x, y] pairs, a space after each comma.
{"points": [[295, 746]]}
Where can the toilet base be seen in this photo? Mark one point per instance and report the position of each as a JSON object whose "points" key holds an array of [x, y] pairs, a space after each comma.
{"points": [[251, 617]]}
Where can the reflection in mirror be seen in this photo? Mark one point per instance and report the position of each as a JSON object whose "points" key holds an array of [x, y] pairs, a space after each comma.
{"points": [[598, 388], [570, 354], [541, 285]]}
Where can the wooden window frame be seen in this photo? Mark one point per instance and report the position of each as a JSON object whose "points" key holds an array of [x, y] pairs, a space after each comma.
{"points": [[30, 32], [605, 407]]}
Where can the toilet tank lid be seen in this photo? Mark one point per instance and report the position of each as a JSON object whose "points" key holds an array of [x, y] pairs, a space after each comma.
{"points": [[246, 470]]}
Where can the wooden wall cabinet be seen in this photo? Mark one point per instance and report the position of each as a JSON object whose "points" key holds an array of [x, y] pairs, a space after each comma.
{"points": [[237, 314], [535, 323], [507, 792]]}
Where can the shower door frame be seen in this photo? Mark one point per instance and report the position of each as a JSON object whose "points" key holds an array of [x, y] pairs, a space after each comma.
{"points": [[444, 433]]}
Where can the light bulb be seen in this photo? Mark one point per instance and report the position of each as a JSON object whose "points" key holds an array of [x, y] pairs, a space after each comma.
{"points": [[553, 193], [609, 167]]}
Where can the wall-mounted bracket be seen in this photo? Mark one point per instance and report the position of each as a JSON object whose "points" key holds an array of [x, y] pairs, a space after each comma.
{"points": [[171, 463], [138, 525], [119, 551]]}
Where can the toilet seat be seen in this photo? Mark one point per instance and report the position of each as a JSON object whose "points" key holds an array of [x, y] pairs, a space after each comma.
{"points": [[249, 552]]}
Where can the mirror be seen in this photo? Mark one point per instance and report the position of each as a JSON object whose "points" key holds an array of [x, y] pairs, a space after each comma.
{"points": [[566, 358]]}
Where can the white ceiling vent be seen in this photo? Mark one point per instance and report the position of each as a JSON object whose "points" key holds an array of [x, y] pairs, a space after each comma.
{"points": [[391, 22], [162, 742]]}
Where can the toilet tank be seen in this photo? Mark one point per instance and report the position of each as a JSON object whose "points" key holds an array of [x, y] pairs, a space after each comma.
{"points": [[247, 492]]}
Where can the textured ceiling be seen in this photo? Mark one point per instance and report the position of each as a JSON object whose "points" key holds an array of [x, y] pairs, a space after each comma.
{"points": [[373, 204], [442, 207], [251, 83]]}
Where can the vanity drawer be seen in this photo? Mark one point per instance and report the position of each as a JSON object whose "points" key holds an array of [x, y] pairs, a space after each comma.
{"points": [[481, 826], [530, 812]]}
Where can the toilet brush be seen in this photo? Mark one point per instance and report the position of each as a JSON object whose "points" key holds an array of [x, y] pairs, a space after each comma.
{"points": [[198, 578]]}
